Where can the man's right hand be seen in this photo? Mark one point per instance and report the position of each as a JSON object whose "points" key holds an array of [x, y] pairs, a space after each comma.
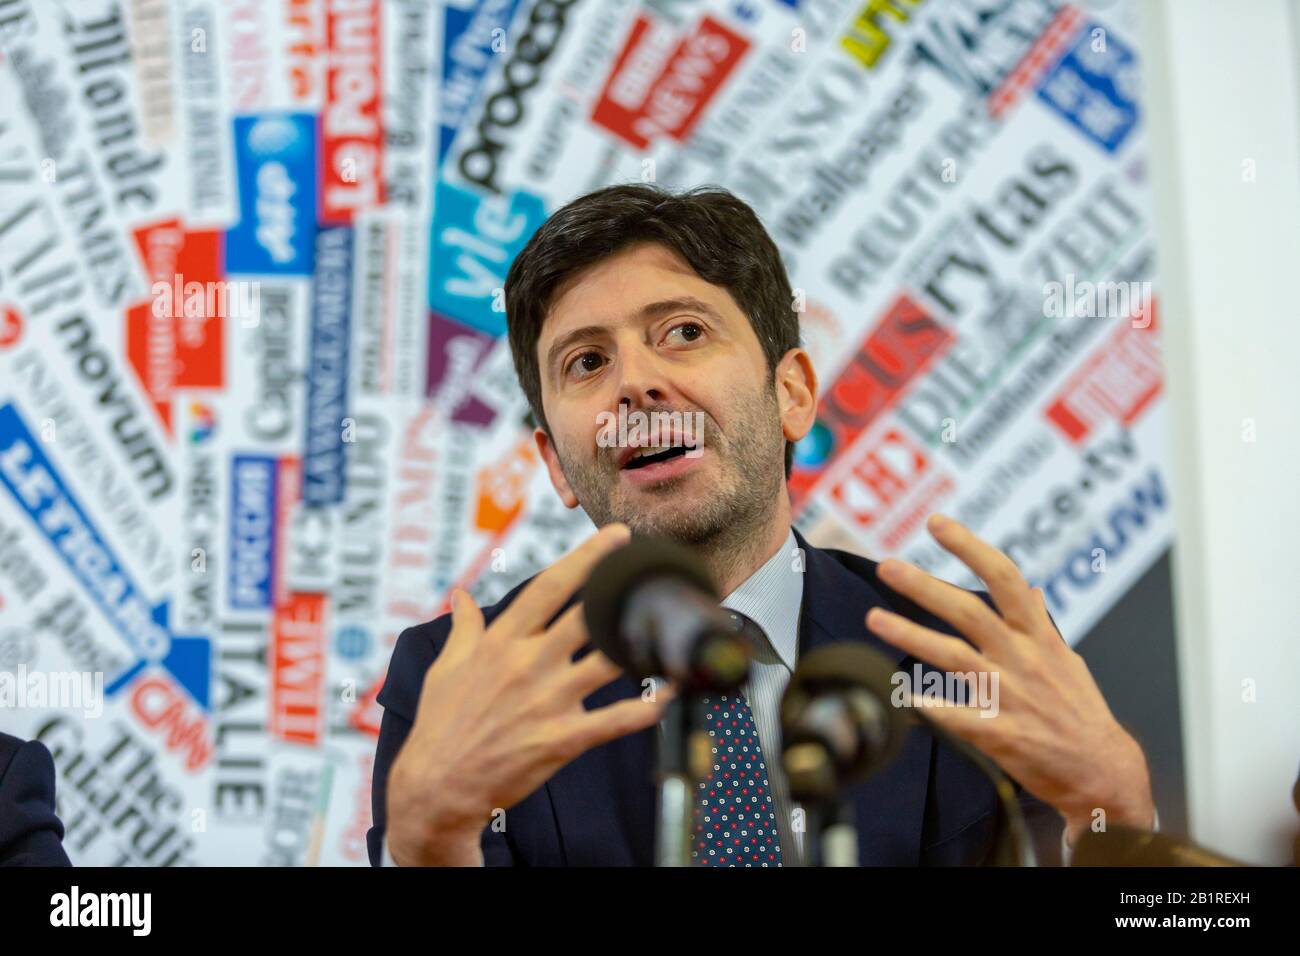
{"points": [[501, 711]]}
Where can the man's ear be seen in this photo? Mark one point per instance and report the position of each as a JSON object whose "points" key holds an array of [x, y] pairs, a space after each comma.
{"points": [[796, 393], [561, 484]]}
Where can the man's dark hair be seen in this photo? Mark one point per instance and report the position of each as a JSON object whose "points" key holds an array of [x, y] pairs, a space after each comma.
{"points": [[716, 233]]}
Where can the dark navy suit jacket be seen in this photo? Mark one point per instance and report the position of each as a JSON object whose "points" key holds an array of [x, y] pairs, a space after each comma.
{"points": [[929, 807], [30, 832]]}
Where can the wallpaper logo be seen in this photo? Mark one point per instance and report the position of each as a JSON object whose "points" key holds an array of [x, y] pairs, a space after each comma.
{"points": [[275, 155], [660, 88], [38, 490], [474, 240], [203, 423]]}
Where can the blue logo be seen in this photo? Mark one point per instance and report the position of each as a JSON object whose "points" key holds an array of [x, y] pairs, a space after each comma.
{"points": [[38, 489], [253, 481], [467, 55], [327, 370], [814, 449], [275, 158], [474, 240], [1095, 87], [352, 643]]}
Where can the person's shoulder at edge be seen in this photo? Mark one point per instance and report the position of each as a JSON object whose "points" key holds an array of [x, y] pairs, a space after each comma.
{"points": [[31, 833]]}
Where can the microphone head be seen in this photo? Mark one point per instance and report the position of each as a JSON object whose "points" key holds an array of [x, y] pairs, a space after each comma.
{"points": [[838, 725], [651, 586]]}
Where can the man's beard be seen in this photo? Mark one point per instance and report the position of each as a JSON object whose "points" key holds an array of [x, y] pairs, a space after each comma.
{"points": [[751, 465]]}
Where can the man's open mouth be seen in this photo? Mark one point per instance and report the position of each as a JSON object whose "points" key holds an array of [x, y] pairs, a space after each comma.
{"points": [[649, 456]]}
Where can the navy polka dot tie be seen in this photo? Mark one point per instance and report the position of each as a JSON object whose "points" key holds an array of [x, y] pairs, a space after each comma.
{"points": [[735, 816]]}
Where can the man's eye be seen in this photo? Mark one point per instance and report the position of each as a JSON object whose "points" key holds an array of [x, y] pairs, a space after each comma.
{"points": [[690, 331], [586, 363]]}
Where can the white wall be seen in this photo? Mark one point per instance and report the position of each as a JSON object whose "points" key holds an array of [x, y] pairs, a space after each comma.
{"points": [[1223, 92]]}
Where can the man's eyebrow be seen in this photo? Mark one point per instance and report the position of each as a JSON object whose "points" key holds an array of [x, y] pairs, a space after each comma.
{"points": [[653, 310]]}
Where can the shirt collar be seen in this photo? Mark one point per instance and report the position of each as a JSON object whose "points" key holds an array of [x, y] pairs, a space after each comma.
{"points": [[771, 597]]}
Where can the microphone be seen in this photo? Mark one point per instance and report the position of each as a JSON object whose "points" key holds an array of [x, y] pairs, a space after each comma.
{"points": [[652, 608], [1129, 846], [837, 724], [837, 728]]}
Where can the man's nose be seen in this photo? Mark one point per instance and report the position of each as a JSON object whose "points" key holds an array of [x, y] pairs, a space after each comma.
{"points": [[643, 381]]}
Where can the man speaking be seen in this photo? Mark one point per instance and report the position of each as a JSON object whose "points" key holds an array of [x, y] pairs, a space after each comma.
{"points": [[507, 740]]}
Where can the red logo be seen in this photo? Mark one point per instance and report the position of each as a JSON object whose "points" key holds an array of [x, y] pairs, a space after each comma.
{"points": [[1116, 383], [160, 706], [298, 664], [11, 327], [169, 346], [656, 90], [891, 356], [350, 131]]}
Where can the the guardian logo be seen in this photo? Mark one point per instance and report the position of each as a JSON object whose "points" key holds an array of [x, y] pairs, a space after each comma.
{"points": [[103, 909]]}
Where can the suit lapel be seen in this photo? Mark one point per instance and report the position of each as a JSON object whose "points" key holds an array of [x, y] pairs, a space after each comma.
{"points": [[604, 800], [889, 805]]}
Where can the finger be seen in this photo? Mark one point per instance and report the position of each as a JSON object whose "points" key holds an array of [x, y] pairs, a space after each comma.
{"points": [[971, 724], [595, 727], [1045, 616], [1007, 586], [568, 634], [590, 674], [548, 592], [969, 615], [466, 626], [943, 651]]}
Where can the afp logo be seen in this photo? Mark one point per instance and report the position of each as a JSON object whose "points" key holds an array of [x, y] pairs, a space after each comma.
{"points": [[275, 156]]}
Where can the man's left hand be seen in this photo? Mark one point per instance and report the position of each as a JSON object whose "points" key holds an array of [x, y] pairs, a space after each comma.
{"points": [[1053, 732]]}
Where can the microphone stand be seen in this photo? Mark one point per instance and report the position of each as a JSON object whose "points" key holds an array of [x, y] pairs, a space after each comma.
{"points": [[677, 773], [832, 837]]}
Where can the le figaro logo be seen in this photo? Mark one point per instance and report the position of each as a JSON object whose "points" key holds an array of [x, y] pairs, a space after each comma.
{"points": [[133, 910]]}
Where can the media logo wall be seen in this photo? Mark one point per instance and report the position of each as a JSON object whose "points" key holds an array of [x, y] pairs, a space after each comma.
{"points": [[258, 413]]}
